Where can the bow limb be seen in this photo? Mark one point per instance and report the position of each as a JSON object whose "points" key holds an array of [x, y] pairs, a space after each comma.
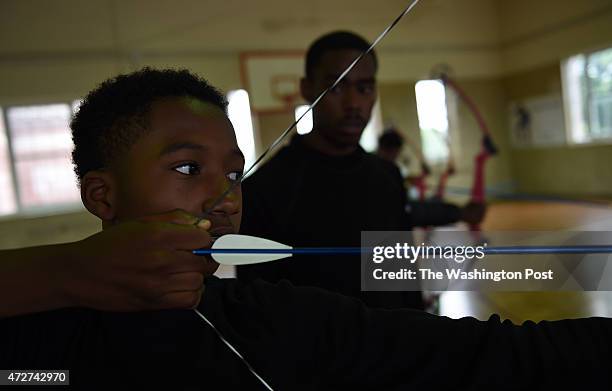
{"points": [[419, 181], [487, 147], [448, 171]]}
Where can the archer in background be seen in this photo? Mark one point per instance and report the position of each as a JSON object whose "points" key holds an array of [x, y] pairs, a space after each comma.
{"points": [[432, 212]]}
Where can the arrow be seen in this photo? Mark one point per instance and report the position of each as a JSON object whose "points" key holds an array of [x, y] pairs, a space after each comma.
{"points": [[594, 249], [233, 249]]}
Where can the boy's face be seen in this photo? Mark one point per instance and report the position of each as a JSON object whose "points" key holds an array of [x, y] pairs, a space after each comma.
{"points": [[345, 111], [185, 160]]}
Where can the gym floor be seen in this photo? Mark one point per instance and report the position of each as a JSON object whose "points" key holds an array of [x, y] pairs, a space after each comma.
{"points": [[521, 306]]}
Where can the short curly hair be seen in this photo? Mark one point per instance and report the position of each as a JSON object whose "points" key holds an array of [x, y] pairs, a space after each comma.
{"points": [[334, 41], [113, 116], [391, 139]]}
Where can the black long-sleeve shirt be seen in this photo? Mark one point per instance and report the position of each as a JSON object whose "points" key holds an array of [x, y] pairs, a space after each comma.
{"points": [[305, 339], [432, 213], [304, 198]]}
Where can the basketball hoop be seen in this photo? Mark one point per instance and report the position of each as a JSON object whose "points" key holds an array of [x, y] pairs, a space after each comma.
{"points": [[272, 79], [286, 89], [289, 101]]}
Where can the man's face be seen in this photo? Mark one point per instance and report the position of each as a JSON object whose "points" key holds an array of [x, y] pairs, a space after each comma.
{"points": [[186, 160], [343, 113]]}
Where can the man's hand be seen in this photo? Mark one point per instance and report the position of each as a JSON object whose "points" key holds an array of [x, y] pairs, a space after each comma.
{"points": [[138, 265]]}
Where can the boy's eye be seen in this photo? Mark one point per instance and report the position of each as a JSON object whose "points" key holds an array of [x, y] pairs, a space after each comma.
{"points": [[234, 176], [188, 169]]}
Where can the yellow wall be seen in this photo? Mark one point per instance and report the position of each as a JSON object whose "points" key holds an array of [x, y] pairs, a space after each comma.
{"points": [[65, 79], [16, 232], [581, 171], [538, 33]]}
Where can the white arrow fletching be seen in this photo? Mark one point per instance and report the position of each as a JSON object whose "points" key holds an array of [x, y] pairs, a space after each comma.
{"points": [[234, 241]]}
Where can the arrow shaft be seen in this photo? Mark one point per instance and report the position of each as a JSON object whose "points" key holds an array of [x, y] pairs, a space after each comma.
{"points": [[302, 250], [502, 250], [599, 249]]}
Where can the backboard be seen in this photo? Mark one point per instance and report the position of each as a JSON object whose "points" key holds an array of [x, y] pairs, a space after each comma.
{"points": [[272, 79]]}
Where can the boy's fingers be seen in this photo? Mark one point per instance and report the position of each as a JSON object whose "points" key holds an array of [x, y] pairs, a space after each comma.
{"points": [[179, 282], [186, 299], [177, 216], [184, 261], [203, 224], [183, 237]]}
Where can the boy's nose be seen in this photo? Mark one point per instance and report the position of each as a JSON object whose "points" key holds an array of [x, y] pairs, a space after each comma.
{"points": [[224, 199]]}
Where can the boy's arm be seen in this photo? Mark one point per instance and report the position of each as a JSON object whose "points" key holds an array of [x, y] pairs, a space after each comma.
{"points": [[437, 213], [29, 280], [336, 342], [432, 213], [136, 265]]}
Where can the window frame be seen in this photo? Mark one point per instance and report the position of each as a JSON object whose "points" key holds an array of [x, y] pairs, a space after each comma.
{"points": [[571, 139], [56, 208]]}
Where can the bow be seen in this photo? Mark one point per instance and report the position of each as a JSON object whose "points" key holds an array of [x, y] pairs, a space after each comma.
{"points": [[487, 146], [448, 171]]}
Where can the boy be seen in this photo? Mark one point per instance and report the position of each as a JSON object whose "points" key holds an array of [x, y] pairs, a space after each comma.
{"points": [[154, 141]]}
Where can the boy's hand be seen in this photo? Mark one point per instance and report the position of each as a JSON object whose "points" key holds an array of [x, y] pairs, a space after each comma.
{"points": [[139, 265]]}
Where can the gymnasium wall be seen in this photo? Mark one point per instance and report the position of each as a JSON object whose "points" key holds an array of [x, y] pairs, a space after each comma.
{"points": [[536, 36], [62, 78], [573, 171]]}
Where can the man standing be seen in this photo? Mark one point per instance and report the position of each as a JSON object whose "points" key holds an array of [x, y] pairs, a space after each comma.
{"points": [[327, 182]]}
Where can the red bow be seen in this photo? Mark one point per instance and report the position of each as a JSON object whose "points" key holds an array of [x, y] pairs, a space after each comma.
{"points": [[487, 147]]}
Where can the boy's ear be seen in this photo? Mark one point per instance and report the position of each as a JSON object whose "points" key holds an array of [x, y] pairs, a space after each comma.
{"points": [[307, 90], [98, 193]]}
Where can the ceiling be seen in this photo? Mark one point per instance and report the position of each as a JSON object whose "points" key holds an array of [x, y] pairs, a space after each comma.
{"points": [[63, 27], [475, 36]]}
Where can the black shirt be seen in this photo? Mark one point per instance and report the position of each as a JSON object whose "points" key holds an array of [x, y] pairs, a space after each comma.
{"points": [[305, 339], [304, 198]]}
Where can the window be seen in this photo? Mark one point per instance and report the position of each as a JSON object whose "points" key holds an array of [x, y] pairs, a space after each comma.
{"points": [[75, 105], [36, 172], [374, 128], [8, 204], [305, 125], [40, 143], [239, 113], [433, 119], [587, 94]]}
